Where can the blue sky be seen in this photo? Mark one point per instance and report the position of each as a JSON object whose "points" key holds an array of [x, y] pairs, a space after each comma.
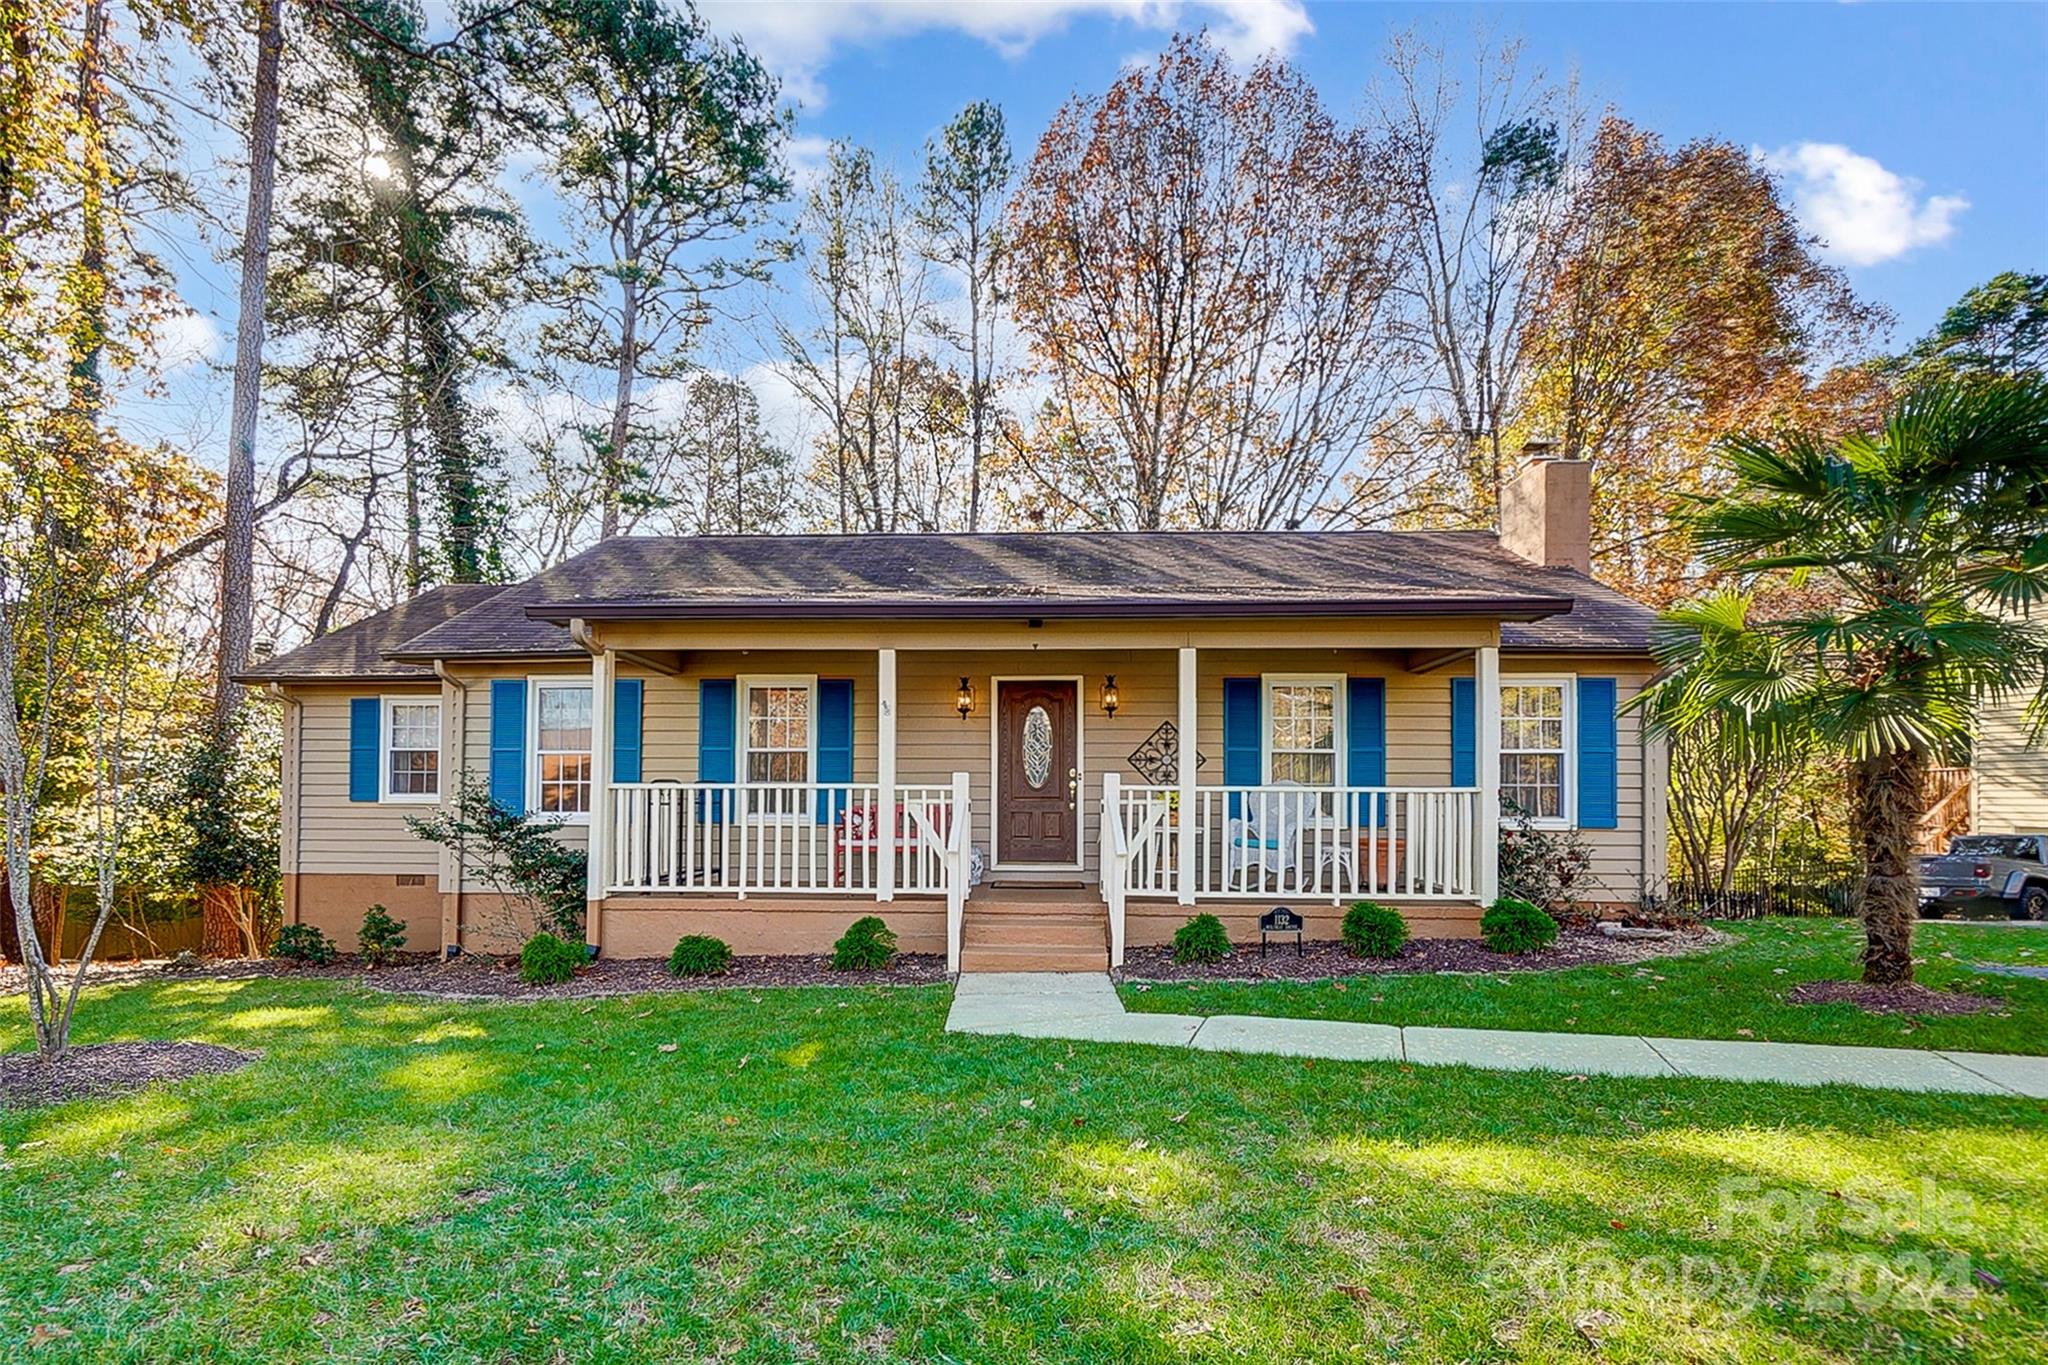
{"points": [[1913, 137]]}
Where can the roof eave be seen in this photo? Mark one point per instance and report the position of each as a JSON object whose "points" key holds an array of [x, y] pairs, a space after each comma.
{"points": [[1525, 608]]}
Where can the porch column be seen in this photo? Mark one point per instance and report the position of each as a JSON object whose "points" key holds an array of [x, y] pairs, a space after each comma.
{"points": [[1184, 846], [1486, 705], [884, 825], [603, 667]]}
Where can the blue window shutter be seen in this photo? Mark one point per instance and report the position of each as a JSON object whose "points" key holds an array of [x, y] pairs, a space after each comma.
{"points": [[1464, 733], [1598, 805], [365, 719], [835, 741], [626, 694], [1366, 724], [1242, 742], [717, 736], [508, 743]]}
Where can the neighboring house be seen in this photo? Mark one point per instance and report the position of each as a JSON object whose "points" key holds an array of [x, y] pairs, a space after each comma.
{"points": [[765, 737], [2009, 776]]}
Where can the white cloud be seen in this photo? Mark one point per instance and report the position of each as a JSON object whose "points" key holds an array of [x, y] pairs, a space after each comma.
{"points": [[807, 157], [187, 338], [797, 38], [1863, 213]]}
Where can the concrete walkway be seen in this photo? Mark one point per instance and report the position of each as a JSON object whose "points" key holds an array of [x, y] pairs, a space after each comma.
{"points": [[1083, 1006]]}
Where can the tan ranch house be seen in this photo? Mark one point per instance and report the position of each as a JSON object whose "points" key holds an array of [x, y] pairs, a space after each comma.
{"points": [[1021, 750]]}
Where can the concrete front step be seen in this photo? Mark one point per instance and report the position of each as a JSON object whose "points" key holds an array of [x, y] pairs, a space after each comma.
{"points": [[1025, 957]]}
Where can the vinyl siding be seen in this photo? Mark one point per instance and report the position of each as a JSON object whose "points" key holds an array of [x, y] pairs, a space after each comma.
{"points": [[2012, 776], [333, 833]]}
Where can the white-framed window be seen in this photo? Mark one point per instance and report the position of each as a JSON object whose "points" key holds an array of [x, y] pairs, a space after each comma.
{"points": [[778, 742], [411, 761], [1537, 719], [560, 723], [1304, 729]]}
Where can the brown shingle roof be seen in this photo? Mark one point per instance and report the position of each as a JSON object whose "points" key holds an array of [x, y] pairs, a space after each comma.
{"points": [[357, 651], [1084, 574]]}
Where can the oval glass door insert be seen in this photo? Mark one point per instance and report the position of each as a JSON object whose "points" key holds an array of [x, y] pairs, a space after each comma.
{"points": [[1037, 747]]}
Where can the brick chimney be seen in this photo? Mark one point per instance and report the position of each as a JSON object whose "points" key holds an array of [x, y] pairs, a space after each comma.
{"points": [[1546, 510]]}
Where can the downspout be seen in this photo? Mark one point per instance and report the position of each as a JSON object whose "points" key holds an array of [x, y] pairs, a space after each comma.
{"points": [[451, 914], [288, 853]]}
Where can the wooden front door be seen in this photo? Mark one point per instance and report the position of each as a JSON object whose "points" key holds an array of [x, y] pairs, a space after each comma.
{"points": [[1037, 782]]}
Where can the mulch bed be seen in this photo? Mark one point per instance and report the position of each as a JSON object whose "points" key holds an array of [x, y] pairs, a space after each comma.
{"points": [[475, 977], [1322, 960], [1908, 999], [110, 1069]]}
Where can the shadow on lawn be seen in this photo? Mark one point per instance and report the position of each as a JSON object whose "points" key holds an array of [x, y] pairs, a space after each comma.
{"points": [[828, 1169]]}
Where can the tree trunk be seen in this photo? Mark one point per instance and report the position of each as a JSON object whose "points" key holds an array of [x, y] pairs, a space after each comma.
{"points": [[10, 936], [221, 932], [1885, 796], [237, 554], [612, 475], [48, 898]]}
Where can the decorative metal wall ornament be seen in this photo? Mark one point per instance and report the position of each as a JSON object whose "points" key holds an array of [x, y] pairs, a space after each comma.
{"points": [[1037, 747], [1157, 760]]}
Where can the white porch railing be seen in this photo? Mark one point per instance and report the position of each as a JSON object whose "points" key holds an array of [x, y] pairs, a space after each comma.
{"points": [[1387, 843], [785, 838]]}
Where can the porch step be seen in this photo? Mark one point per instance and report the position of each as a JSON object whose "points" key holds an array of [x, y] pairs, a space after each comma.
{"points": [[1034, 927], [1034, 937], [1015, 957]]}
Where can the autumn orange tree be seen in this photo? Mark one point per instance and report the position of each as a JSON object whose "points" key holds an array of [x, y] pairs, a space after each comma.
{"points": [[1201, 259], [1686, 303]]}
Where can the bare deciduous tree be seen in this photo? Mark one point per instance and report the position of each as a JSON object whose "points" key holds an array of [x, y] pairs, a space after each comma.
{"points": [[1204, 261]]}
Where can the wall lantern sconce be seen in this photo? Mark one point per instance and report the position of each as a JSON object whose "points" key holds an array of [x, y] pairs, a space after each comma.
{"points": [[965, 701], [1110, 698]]}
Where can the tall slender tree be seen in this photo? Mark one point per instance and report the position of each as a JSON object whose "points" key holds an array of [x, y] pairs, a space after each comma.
{"points": [[237, 602], [967, 173], [667, 142]]}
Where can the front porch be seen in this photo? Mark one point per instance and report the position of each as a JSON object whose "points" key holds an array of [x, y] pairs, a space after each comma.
{"points": [[936, 808]]}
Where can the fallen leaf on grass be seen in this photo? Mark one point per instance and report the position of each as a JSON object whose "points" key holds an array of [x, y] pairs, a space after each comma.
{"points": [[1616, 1224], [45, 1332], [1589, 1324], [667, 1047], [1745, 1032], [1357, 1293]]}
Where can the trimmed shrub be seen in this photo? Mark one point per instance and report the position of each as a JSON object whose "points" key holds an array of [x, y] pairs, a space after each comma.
{"points": [[546, 960], [381, 936], [699, 955], [1512, 926], [1372, 930], [304, 944], [1201, 939], [866, 946]]}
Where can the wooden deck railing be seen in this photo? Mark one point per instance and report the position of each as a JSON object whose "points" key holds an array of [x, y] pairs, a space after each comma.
{"points": [[1335, 843]]}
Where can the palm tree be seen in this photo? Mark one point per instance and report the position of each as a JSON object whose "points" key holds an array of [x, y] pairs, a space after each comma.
{"points": [[1925, 546]]}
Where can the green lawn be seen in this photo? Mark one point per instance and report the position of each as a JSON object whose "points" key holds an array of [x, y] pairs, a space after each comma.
{"points": [[825, 1174], [1714, 994]]}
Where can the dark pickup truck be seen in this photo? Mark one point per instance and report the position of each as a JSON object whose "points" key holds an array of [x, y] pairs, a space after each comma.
{"points": [[1987, 874]]}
